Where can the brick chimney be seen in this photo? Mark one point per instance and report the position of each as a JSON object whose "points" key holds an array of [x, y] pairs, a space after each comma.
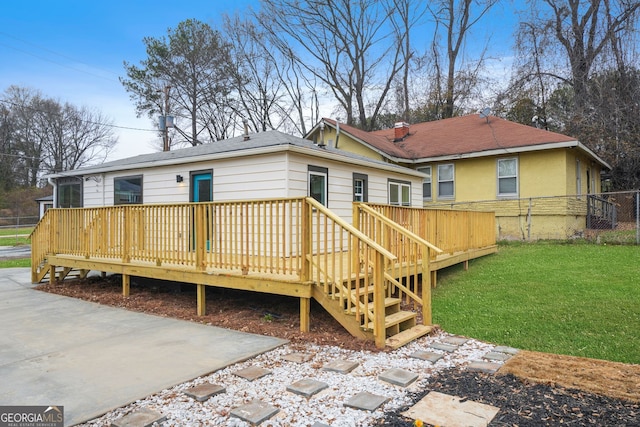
{"points": [[401, 131]]}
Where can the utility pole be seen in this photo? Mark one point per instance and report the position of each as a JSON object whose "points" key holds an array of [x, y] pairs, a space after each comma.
{"points": [[166, 117]]}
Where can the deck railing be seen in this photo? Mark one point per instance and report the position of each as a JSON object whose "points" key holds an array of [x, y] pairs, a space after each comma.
{"points": [[293, 239], [449, 230]]}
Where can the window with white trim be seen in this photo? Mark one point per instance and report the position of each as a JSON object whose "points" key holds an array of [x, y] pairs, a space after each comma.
{"points": [[508, 177], [360, 187], [446, 183], [399, 193], [578, 179], [426, 182], [318, 183]]}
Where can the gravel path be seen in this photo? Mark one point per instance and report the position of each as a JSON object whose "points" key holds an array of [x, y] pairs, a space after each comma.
{"points": [[325, 407]]}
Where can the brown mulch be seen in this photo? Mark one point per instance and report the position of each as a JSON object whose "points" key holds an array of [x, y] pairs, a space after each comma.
{"points": [[530, 389]]}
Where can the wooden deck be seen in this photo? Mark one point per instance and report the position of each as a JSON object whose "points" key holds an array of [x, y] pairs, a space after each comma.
{"points": [[373, 276]]}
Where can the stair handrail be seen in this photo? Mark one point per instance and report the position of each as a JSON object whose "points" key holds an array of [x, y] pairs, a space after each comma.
{"points": [[397, 227], [423, 301], [353, 230]]}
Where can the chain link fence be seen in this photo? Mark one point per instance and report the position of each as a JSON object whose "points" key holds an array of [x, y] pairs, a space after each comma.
{"points": [[600, 218]]}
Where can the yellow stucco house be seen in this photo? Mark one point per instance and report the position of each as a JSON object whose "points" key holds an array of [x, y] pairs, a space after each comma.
{"points": [[537, 182]]}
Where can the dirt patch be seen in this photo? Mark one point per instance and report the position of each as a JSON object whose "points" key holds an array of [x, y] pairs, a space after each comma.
{"points": [[254, 312], [279, 316], [613, 379]]}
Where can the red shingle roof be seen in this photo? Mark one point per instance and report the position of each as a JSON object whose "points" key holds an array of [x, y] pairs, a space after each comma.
{"points": [[456, 136]]}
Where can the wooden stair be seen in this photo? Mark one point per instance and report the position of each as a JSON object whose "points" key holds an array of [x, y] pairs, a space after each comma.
{"points": [[61, 273], [400, 325]]}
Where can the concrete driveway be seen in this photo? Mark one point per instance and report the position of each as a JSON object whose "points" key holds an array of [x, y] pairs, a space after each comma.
{"points": [[56, 350]]}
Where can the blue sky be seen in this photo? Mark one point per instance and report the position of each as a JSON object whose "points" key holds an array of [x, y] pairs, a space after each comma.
{"points": [[74, 50]]}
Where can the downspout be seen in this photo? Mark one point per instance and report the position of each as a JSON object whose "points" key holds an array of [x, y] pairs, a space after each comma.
{"points": [[337, 133], [55, 191]]}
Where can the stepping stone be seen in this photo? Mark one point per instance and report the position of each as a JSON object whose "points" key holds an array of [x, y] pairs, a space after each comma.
{"points": [[255, 412], [366, 401], [504, 349], [498, 357], [204, 391], [444, 347], [298, 357], [445, 410], [252, 373], [141, 418], [307, 387], [317, 424], [398, 376], [426, 355], [341, 366], [455, 340], [488, 367]]}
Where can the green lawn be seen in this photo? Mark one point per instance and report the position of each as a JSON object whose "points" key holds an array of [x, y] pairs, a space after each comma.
{"points": [[22, 262], [576, 299], [12, 231]]}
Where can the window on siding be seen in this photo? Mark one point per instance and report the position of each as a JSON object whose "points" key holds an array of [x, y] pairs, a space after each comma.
{"points": [[360, 187], [399, 193], [578, 179], [70, 193], [426, 182], [446, 185], [318, 177], [127, 190], [508, 177]]}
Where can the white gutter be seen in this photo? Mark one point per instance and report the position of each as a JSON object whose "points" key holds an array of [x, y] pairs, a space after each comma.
{"points": [[54, 184]]}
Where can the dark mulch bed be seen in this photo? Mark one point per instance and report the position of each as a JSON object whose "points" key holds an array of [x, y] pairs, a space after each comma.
{"points": [[523, 403]]}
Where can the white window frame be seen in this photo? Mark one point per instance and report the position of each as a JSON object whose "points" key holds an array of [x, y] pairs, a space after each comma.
{"points": [[499, 177], [403, 188], [578, 179], [452, 181], [316, 171], [362, 179], [427, 181]]}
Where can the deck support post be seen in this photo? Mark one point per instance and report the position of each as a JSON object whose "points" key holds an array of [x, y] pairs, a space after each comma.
{"points": [[305, 310], [126, 285], [434, 278], [52, 275], [466, 265], [201, 292]]}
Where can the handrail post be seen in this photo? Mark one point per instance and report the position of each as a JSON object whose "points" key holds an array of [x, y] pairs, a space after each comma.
{"points": [[307, 237], [379, 330], [426, 286], [126, 243], [200, 235], [355, 255]]}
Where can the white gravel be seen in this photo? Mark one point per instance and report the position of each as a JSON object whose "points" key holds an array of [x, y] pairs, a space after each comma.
{"points": [[325, 407]]}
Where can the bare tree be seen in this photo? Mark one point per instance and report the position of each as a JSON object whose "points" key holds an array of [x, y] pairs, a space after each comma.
{"points": [[348, 45], [47, 136], [457, 17], [582, 30]]}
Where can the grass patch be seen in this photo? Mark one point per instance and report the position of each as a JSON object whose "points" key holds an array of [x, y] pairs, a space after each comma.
{"points": [[575, 299], [11, 263], [13, 241], [12, 231]]}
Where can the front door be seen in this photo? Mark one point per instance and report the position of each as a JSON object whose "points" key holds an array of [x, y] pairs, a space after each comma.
{"points": [[202, 191], [201, 187]]}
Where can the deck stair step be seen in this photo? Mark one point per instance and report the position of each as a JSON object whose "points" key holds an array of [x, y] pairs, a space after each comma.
{"points": [[363, 291], [388, 302], [396, 319], [406, 336]]}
